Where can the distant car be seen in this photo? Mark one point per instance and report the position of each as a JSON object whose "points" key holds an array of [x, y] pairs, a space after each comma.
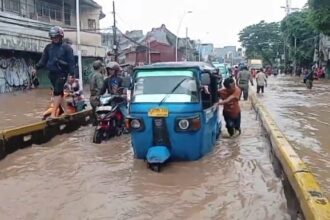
{"points": [[222, 68]]}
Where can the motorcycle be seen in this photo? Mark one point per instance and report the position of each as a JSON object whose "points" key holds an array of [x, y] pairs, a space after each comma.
{"points": [[72, 106], [110, 120]]}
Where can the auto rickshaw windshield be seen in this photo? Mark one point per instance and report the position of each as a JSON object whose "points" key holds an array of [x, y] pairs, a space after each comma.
{"points": [[179, 86]]}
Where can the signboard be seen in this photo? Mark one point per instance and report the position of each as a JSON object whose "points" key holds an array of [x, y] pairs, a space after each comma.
{"points": [[22, 43]]}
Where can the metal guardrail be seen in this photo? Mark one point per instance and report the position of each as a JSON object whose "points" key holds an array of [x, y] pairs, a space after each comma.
{"points": [[40, 132], [313, 203]]}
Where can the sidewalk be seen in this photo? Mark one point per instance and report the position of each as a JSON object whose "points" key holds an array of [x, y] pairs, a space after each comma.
{"points": [[304, 118]]}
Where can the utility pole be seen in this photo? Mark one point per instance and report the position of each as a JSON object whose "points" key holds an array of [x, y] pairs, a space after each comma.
{"points": [[187, 44], [288, 9], [115, 44], [78, 45], [295, 55]]}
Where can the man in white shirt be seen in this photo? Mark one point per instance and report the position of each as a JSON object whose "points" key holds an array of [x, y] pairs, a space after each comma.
{"points": [[261, 79]]}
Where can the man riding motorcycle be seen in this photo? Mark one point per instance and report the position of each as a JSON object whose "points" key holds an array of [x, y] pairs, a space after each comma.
{"points": [[113, 85]]}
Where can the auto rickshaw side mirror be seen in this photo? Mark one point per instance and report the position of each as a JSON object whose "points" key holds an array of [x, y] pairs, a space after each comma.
{"points": [[127, 82], [205, 79]]}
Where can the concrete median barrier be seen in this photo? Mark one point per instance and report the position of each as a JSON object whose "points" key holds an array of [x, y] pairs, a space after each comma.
{"points": [[40, 132], [312, 201], [2, 147]]}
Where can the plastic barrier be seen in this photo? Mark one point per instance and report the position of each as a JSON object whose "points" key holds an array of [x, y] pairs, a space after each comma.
{"points": [[312, 201], [40, 132]]}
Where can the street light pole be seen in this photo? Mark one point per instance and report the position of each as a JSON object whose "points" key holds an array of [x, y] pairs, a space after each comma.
{"points": [[78, 44], [177, 33]]}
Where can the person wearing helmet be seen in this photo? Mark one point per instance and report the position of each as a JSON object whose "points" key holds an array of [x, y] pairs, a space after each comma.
{"points": [[96, 85], [113, 84], [58, 58]]}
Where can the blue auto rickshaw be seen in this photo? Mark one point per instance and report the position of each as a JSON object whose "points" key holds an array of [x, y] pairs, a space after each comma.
{"points": [[172, 114]]}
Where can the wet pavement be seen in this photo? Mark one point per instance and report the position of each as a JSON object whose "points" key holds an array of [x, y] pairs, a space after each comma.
{"points": [[304, 117], [71, 178]]}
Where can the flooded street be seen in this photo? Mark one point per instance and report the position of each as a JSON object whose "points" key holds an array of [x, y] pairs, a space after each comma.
{"points": [[304, 117], [21, 108], [71, 178]]}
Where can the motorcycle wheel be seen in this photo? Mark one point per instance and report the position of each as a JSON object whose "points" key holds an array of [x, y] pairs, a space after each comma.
{"points": [[119, 131], [97, 138]]}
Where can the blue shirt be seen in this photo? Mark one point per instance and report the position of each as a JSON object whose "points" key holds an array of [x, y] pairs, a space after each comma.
{"points": [[58, 58]]}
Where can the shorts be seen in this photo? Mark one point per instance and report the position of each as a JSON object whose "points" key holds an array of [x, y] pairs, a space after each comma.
{"points": [[232, 124], [58, 81]]}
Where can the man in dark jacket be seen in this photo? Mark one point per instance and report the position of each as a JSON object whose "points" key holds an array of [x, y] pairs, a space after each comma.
{"points": [[58, 58]]}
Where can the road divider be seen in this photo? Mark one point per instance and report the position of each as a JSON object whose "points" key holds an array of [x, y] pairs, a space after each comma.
{"points": [[312, 201], [40, 132]]}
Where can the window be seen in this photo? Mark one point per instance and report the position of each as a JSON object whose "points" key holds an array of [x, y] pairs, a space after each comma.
{"points": [[12, 6], [49, 10], [67, 14], [166, 86], [91, 24]]}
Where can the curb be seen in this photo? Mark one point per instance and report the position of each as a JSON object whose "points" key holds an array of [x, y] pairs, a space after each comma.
{"points": [[312, 201]]}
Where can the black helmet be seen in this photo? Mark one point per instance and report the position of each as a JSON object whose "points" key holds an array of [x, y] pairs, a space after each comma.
{"points": [[56, 31]]}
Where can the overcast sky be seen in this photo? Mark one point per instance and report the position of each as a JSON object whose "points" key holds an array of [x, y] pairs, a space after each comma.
{"points": [[212, 21]]}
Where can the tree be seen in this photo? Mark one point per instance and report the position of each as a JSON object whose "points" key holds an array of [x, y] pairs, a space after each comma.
{"points": [[301, 37], [320, 15], [262, 41]]}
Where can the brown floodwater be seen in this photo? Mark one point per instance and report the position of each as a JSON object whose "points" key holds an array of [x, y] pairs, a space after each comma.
{"points": [[304, 117], [71, 178], [21, 108]]}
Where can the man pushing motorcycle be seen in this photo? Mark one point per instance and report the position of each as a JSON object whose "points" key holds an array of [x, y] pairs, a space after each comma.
{"points": [[58, 58]]}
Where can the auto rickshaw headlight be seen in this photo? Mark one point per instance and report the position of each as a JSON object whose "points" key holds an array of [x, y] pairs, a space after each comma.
{"points": [[184, 124], [135, 124], [192, 123]]}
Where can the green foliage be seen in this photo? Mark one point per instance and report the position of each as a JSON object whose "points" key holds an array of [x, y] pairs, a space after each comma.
{"points": [[263, 41], [296, 26], [320, 15]]}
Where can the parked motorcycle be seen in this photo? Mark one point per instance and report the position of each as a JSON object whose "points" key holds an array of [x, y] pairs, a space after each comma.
{"points": [[110, 120]]}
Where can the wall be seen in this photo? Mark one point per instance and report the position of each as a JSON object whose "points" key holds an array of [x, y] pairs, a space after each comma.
{"points": [[86, 38], [89, 13], [14, 72], [19, 33]]}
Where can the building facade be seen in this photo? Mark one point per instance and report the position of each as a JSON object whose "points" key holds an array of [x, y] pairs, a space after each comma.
{"points": [[24, 35]]}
